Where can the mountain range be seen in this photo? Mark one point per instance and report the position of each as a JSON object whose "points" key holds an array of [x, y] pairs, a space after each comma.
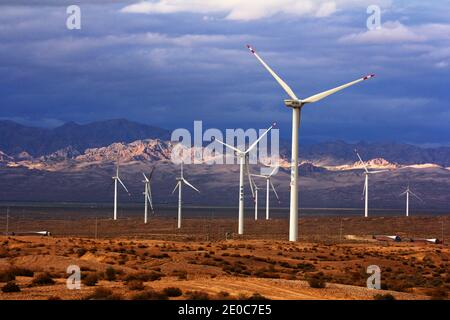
{"points": [[17, 138], [76, 162]]}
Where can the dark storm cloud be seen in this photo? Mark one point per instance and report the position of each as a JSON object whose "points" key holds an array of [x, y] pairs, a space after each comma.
{"points": [[171, 69], [62, 2]]}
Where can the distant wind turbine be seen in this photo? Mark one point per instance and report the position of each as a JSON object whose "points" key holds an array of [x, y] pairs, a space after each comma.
{"points": [[296, 104], [366, 184], [148, 194], [408, 192], [181, 180], [268, 185], [242, 155], [116, 179]]}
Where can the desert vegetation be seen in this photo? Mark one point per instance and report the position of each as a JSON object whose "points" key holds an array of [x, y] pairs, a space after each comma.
{"points": [[149, 269]]}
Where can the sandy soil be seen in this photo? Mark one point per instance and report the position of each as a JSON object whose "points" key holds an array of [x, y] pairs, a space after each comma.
{"points": [[272, 268]]}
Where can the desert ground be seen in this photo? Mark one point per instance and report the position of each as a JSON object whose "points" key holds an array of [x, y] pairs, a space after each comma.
{"points": [[126, 259]]}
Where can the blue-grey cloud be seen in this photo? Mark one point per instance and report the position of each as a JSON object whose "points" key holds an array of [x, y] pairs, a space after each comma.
{"points": [[171, 68]]}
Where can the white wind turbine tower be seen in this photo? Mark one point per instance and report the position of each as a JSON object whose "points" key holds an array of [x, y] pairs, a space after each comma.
{"points": [[366, 184], [242, 155], [268, 185], [408, 192], [296, 104], [181, 180], [116, 179], [148, 194]]}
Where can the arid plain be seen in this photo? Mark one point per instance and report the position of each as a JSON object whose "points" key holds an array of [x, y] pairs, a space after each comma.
{"points": [[126, 259]]}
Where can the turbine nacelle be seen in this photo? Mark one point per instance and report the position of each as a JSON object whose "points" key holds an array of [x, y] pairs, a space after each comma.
{"points": [[293, 103]]}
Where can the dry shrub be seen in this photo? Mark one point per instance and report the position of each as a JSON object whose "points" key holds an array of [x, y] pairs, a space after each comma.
{"points": [[81, 252], [90, 280], [306, 266], [317, 282], [223, 295], [7, 276], [13, 272], [110, 274], [196, 295], [150, 295], [257, 296], [103, 294], [266, 273], [159, 256], [386, 296], [42, 279], [173, 292], [21, 272], [10, 287], [181, 274], [4, 253], [145, 276], [136, 285]]}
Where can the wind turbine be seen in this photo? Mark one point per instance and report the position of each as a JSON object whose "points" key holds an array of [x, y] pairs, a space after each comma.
{"points": [[366, 184], [296, 104], [407, 192], [242, 155], [268, 185], [181, 180], [148, 194], [116, 179]]}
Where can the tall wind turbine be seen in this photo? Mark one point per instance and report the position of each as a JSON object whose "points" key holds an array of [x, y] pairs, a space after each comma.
{"points": [[181, 180], [296, 104], [268, 185], [366, 184], [116, 179], [148, 194], [242, 155], [408, 192]]}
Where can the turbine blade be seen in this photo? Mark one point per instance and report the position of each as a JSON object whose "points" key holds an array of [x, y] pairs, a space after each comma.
{"points": [[320, 96], [273, 171], [258, 175], [249, 179], [277, 78], [190, 185], [149, 197], [177, 185], [274, 191], [151, 173], [401, 194], [415, 195], [362, 162], [123, 186], [145, 177], [259, 139], [228, 146]]}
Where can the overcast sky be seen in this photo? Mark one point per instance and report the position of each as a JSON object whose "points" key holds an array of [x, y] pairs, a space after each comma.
{"points": [[170, 62]]}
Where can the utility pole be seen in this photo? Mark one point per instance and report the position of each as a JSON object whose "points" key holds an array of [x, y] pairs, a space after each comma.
{"points": [[7, 221], [442, 229], [96, 228], [340, 232]]}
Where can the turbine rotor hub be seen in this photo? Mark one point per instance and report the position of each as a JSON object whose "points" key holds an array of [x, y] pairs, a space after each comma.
{"points": [[293, 103]]}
